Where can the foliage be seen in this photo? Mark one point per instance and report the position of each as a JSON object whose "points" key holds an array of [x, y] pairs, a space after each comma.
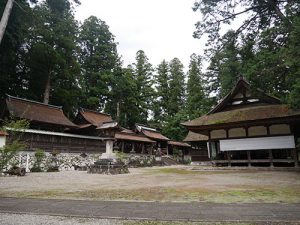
{"points": [[264, 48], [197, 101], [99, 59], [51, 61], [39, 156], [8, 151], [177, 87], [12, 51], [162, 80], [142, 73], [254, 16], [173, 129]]}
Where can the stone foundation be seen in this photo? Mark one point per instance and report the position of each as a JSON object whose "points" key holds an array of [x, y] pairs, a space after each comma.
{"points": [[64, 161]]}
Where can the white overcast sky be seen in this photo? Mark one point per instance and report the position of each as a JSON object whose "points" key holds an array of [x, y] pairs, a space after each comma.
{"points": [[162, 28]]}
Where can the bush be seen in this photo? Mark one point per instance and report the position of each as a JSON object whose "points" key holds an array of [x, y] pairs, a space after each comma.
{"points": [[8, 151], [39, 156]]}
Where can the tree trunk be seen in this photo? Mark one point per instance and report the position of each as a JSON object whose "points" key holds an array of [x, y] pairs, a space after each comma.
{"points": [[5, 16], [47, 90], [118, 111]]}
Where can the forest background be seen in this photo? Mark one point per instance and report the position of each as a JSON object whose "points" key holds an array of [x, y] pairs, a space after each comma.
{"points": [[48, 56]]}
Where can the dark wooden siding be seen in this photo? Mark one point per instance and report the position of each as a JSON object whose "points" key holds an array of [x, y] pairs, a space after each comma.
{"points": [[61, 144]]}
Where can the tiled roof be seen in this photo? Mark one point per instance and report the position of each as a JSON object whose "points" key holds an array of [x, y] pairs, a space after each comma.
{"points": [[95, 118], [124, 130], [178, 143], [192, 136], [3, 133], [38, 112], [154, 135], [132, 137], [253, 113], [243, 86]]}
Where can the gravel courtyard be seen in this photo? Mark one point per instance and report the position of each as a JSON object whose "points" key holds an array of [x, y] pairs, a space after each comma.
{"points": [[177, 183]]}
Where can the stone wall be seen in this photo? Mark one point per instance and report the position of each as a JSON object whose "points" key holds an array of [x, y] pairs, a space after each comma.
{"points": [[64, 161]]}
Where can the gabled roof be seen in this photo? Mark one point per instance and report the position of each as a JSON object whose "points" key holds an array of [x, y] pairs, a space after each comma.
{"points": [[244, 115], [93, 117], [243, 105], [132, 137], [125, 130], [178, 143], [3, 133], [154, 135], [37, 112], [243, 94], [192, 136]]}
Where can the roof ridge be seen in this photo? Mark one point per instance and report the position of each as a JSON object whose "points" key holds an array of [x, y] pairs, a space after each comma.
{"points": [[94, 111], [35, 102]]}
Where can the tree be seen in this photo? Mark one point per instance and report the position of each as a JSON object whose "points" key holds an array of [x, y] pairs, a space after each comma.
{"points": [[162, 92], [266, 46], [142, 71], [175, 105], [12, 75], [8, 151], [225, 66], [53, 69], [5, 17], [255, 16], [177, 87], [122, 100], [197, 103], [99, 60]]}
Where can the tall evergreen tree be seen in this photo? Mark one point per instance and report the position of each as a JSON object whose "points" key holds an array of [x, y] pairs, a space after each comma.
{"points": [[176, 112], [99, 60], [122, 100], [197, 103], [12, 73], [143, 74], [52, 64], [225, 66], [177, 87], [162, 92]]}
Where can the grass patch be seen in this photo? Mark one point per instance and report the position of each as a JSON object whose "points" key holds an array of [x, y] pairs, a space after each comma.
{"points": [[234, 195], [174, 171], [182, 223], [204, 223]]}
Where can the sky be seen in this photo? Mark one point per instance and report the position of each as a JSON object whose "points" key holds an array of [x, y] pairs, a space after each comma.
{"points": [[162, 28]]}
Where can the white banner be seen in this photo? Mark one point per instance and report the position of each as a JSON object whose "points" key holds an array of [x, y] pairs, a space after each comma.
{"points": [[279, 142]]}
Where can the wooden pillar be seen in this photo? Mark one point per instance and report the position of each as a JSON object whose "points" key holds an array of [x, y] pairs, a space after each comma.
{"points": [[271, 157], [27, 163], [122, 146], [295, 157], [229, 159], [143, 148], [249, 158], [133, 147]]}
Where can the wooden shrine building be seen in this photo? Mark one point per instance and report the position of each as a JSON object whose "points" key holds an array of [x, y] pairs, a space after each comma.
{"points": [[198, 142], [130, 142], [249, 127], [153, 134], [49, 128]]}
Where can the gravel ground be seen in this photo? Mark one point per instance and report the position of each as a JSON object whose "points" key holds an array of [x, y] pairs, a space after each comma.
{"points": [[148, 178], [177, 183], [25, 219]]}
